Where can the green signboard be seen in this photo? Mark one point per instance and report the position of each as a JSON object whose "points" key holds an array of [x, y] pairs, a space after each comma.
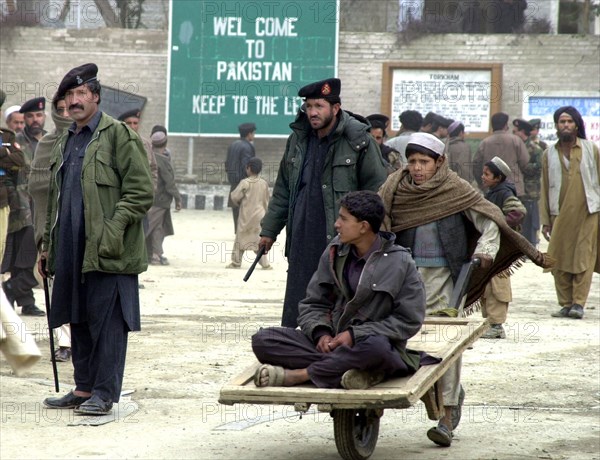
{"points": [[232, 62]]}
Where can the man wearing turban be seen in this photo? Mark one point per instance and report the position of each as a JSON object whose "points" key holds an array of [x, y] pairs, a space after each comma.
{"points": [[570, 211]]}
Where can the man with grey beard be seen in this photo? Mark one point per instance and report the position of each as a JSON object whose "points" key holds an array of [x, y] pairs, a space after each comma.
{"points": [[570, 211], [20, 254], [35, 119]]}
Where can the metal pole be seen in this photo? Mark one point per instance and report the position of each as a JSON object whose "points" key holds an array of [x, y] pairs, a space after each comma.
{"points": [[190, 160]]}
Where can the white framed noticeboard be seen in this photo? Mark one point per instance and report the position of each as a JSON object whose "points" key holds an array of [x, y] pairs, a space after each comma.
{"points": [[467, 92]]}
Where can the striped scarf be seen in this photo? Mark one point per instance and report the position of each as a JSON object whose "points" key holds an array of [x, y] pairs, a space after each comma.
{"points": [[408, 205]]}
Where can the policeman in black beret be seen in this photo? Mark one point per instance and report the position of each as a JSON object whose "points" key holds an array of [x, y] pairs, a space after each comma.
{"points": [[78, 76], [134, 114], [521, 125], [132, 118], [238, 155], [531, 181], [328, 154], [96, 247], [34, 114], [37, 104], [536, 123]]}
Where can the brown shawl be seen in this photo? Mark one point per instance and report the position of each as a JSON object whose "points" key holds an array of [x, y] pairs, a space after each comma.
{"points": [[408, 205]]}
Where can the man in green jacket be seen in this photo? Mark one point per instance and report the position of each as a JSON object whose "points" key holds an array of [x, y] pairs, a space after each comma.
{"points": [[328, 154], [93, 242]]}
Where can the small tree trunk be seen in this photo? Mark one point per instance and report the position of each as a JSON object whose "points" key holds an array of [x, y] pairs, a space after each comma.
{"points": [[65, 10], [111, 18]]}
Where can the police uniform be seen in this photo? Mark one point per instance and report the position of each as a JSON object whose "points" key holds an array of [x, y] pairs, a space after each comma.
{"points": [[532, 176]]}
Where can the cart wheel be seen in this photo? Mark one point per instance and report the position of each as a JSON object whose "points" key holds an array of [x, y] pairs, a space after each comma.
{"points": [[356, 432]]}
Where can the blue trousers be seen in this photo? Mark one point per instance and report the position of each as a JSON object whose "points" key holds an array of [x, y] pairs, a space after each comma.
{"points": [[291, 349]]}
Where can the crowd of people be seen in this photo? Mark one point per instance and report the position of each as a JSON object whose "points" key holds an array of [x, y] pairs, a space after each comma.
{"points": [[444, 203], [377, 231]]}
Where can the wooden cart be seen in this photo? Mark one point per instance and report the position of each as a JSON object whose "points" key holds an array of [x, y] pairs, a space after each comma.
{"points": [[356, 413]]}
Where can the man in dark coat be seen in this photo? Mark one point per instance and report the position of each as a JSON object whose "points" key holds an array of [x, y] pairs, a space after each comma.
{"points": [[238, 155], [93, 242], [328, 154]]}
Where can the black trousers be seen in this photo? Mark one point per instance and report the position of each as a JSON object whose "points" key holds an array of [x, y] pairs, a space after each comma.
{"points": [[20, 258], [99, 356], [291, 349]]}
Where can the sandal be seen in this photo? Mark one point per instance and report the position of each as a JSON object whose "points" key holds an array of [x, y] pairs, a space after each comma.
{"points": [[441, 435], [276, 375]]}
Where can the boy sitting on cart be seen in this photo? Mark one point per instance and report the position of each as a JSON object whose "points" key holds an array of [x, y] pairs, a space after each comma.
{"points": [[363, 303]]}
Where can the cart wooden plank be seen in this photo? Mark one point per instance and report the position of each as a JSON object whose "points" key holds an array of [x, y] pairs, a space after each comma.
{"points": [[446, 338]]}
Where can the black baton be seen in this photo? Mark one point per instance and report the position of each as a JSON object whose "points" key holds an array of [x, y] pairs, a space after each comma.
{"points": [[259, 254], [50, 333]]}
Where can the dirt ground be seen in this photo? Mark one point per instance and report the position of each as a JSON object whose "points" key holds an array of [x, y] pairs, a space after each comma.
{"points": [[535, 395]]}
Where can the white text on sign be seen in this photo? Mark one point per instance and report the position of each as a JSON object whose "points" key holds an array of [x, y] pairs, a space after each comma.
{"points": [[263, 27]]}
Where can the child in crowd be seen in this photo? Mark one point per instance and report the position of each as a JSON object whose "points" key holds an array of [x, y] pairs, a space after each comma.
{"points": [[498, 293], [252, 197]]}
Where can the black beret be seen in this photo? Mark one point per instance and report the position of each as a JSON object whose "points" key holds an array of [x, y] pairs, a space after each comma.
{"points": [[129, 114], [33, 105], [76, 77], [411, 119], [378, 120], [325, 89], [246, 128], [157, 128], [522, 125], [535, 123], [2, 97]]}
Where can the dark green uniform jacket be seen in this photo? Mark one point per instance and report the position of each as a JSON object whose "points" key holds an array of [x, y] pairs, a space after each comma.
{"points": [[117, 193]]}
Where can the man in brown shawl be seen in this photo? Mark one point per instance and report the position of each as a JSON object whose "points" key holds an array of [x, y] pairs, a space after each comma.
{"points": [[446, 222], [570, 211]]}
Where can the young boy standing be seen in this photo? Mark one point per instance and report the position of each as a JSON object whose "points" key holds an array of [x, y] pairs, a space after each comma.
{"points": [[252, 197], [498, 293]]}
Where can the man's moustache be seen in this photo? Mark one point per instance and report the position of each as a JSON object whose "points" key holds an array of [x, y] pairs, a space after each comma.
{"points": [[75, 106]]}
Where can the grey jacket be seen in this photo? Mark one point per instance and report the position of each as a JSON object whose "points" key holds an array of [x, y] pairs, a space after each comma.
{"points": [[389, 298]]}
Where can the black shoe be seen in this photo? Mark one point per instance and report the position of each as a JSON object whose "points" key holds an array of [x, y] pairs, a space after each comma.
{"points": [[8, 293], [32, 310], [68, 401], [164, 260], [94, 406], [562, 313], [576, 311], [441, 435]]}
